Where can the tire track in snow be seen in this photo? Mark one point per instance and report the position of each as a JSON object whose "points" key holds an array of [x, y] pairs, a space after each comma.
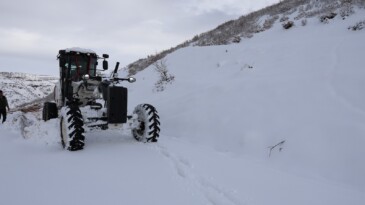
{"points": [[330, 75], [213, 193]]}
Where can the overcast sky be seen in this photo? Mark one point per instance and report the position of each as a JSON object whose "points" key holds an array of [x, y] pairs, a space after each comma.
{"points": [[32, 31]]}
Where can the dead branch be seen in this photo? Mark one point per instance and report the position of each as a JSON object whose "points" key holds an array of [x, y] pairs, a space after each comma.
{"points": [[277, 145]]}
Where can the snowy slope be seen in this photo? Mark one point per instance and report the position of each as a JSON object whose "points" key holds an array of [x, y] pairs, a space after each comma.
{"points": [[305, 87], [226, 107], [20, 88]]}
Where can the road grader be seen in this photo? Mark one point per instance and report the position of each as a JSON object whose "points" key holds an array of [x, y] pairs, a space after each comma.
{"points": [[86, 98]]}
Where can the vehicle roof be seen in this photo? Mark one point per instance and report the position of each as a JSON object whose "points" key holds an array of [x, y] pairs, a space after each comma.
{"points": [[79, 50]]}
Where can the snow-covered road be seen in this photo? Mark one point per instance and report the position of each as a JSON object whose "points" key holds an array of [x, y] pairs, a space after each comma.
{"points": [[115, 169]]}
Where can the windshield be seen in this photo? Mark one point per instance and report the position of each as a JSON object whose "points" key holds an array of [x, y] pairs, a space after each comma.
{"points": [[81, 65]]}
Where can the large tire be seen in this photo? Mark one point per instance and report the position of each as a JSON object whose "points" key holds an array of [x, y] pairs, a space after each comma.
{"points": [[50, 111], [149, 124], [71, 128]]}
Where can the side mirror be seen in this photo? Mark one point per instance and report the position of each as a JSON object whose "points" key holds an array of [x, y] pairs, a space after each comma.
{"points": [[105, 65], [131, 80], [105, 56]]}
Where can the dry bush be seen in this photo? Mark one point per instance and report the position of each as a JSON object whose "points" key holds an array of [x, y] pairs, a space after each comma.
{"points": [[325, 18], [165, 76], [288, 24], [358, 26], [304, 22]]}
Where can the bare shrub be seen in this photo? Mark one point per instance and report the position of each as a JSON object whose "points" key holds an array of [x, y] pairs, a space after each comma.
{"points": [[325, 18], [288, 24], [358, 26], [304, 22], [347, 9], [165, 76], [269, 22], [236, 39]]}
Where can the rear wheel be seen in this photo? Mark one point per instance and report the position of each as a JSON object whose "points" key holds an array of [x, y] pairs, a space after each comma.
{"points": [[49, 111], [71, 128], [149, 123]]}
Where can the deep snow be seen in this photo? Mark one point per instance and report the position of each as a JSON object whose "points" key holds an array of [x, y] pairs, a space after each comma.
{"points": [[226, 107]]}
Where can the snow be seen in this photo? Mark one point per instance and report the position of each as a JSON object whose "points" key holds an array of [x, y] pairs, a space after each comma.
{"points": [[78, 49], [226, 107], [20, 88]]}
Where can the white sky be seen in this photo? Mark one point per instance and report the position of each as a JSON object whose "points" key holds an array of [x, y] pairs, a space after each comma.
{"points": [[32, 32]]}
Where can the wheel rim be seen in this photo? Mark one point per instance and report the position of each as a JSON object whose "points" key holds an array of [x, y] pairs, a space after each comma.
{"points": [[141, 129]]}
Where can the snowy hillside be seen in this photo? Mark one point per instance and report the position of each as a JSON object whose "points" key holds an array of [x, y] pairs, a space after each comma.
{"points": [[274, 119], [287, 12], [20, 88], [304, 86]]}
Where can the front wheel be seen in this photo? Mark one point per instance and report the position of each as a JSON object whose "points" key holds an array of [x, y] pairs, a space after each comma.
{"points": [[148, 129], [71, 128]]}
